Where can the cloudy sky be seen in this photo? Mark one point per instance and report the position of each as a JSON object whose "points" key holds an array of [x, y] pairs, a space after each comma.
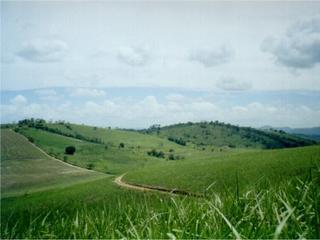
{"points": [[131, 64]]}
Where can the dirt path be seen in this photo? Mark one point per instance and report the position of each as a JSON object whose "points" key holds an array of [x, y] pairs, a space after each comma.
{"points": [[141, 187]]}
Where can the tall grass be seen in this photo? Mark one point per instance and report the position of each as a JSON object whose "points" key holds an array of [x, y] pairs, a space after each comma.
{"points": [[287, 211]]}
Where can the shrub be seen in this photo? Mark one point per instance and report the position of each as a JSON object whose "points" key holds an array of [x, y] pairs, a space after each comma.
{"points": [[65, 158], [179, 141], [90, 166], [121, 145], [171, 156], [155, 153], [70, 150], [31, 139]]}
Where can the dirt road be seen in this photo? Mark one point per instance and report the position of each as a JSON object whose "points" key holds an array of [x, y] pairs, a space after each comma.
{"points": [[144, 188]]}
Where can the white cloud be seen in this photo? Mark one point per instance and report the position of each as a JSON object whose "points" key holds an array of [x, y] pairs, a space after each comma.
{"points": [[43, 50], [19, 100], [210, 57], [133, 56], [150, 110], [231, 84], [88, 92], [299, 47]]}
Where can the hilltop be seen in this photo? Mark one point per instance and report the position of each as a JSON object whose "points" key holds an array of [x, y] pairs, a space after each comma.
{"points": [[223, 134]]}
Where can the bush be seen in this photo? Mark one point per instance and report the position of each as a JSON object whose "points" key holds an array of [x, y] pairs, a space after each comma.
{"points": [[155, 153], [65, 158], [90, 166], [121, 145], [70, 150], [31, 139], [179, 141]]}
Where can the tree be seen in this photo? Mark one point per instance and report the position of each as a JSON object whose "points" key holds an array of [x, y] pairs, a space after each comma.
{"points": [[70, 150], [121, 145]]}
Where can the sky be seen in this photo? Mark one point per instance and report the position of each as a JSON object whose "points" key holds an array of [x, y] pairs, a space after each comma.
{"points": [[133, 64]]}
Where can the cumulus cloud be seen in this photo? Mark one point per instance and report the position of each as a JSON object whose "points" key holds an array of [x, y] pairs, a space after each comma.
{"points": [[149, 110], [133, 56], [210, 57], [43, 50], [299, 47], [88, 92], [230, 84], [19, 100]]}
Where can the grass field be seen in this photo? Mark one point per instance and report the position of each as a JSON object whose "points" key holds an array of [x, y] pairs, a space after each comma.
{"points": [[232, 172], [108, 157], [248, 193], [25, 169], [101, 210]]}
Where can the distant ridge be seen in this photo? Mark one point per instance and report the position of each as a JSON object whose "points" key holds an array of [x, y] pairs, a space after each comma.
{"points": [[224, 134]]}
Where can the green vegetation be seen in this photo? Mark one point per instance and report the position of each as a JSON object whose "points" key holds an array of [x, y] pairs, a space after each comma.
{"points": [[221, 134], [101, 210], [25, 169], [118, 151], [70, 150], [232, 173], [248, 193]]}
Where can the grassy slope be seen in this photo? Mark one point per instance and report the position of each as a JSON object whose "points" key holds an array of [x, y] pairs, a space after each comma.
{"points": [[226, 173], [108, 157], [25, 169], [100, 209], [220, 134]]}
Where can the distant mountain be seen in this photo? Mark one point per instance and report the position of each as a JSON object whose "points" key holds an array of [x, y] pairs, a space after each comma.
{"points": [[311, 133], [222, 134]]}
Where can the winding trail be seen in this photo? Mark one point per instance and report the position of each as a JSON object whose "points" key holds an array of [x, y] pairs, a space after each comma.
{"points": [[141, 187]]}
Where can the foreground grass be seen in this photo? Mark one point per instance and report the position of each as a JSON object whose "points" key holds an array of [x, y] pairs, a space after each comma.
{"points": [[101, 210]]}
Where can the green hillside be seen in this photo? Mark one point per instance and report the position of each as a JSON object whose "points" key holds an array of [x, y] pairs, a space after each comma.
{"points": [[248, 193], [231, 173], [24, 168], [110, 151], [221, 134]]}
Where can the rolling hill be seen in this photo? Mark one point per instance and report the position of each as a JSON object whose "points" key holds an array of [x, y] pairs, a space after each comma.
{"points": [[248, 192], [221, 134], [25, 168], [112, 151], [250, 170]]}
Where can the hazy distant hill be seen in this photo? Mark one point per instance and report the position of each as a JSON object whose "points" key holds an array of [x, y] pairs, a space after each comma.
{"points": [[221, 134], [311, 133]]}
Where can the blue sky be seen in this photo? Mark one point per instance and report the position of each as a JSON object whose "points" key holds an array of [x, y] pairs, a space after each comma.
{"points": [[132, 64]]}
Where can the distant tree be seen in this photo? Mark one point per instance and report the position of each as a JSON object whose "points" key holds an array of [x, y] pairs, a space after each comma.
{"points": [[155, 153], [121, 145], [31, 139], [70, 150]]}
